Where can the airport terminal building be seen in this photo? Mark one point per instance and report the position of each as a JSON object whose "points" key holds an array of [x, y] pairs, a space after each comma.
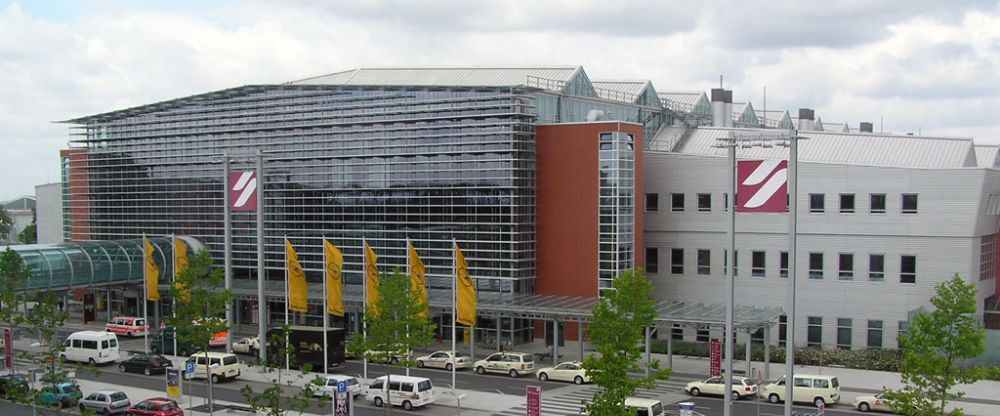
{"points": [[552, 183]]}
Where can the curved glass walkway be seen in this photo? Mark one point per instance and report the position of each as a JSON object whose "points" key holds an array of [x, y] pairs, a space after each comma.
{"points": [[96, 263]]}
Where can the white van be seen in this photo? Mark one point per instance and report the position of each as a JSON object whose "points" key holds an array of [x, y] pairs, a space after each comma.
{"points": [[808, 388], [225, 366], [91, 346], [644, 407], [405, 391]]}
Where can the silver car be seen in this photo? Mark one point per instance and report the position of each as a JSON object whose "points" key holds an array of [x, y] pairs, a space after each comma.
{"points": [[105, 402]]}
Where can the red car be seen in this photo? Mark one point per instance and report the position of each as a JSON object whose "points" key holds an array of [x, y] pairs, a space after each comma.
{"points": [[157, 406]]}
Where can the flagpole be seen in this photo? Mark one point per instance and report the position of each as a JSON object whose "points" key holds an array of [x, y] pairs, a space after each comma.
{"points": [[364, 302], [145, 296], [326, 313], [287, 364], [454, 307], [173, 299], [409, 272]]}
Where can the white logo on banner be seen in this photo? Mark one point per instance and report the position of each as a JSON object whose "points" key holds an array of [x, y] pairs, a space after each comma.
{"points": [[771, 187], [245, 185]]}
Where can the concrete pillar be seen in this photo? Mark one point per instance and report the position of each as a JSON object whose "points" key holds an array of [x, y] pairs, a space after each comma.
{"points": [[579, 338], [555, 341], [107, 304], [648, 350], [670, 351], [767, 353], [749, 360], [499, 332], [472, 342]]}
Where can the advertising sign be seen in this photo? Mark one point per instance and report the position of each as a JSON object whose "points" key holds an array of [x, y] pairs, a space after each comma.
{"points": [[174, 383], [243, 191], [534, 401], [8, 349], [762, 186], [340, 407], [715, 365]]}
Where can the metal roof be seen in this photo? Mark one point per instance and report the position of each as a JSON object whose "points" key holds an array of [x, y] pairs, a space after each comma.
{"points": [[835, 127], [445, 76], [620, 90], [565, 308], [840, 148], [986, 156]]}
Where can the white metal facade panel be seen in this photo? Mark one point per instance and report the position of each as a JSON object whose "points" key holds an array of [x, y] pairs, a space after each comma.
{"points": [[446, 76], [986, 156], [632, 88]]}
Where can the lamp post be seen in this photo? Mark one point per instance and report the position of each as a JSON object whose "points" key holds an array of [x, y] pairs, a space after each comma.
{"points": [[765, 139]]}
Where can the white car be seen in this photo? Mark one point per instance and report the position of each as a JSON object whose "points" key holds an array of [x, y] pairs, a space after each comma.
{"points": [[877, 402], [567, 371], [247, 345], [329, 385], [742, 387], [445, 360]]}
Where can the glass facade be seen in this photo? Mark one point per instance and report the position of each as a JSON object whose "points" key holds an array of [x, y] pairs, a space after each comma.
{"points": [[617, 207], [344, 163]]}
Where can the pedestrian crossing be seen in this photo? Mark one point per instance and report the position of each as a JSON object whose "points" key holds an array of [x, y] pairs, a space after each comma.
{"points": [[567, 401]]}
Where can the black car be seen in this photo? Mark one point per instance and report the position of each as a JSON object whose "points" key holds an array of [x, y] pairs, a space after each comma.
{"points": [[145, 363], [12, 385]]}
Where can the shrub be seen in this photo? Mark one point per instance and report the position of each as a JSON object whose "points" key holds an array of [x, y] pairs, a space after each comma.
{"points": [[864, 359]]}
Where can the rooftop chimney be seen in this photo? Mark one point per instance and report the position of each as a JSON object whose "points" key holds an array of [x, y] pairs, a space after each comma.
{"points": [[867, 127], [722, 107], [807, 117]]}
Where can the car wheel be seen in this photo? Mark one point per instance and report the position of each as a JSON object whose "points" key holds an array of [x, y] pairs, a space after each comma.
{"points": [[92, 362], [819, 402], [394, 361], [480, 370], [378, 402], [736, 395], [146, 371], [216, 379], [121, 367], [578, 380], [773, 398], [543, 377], [864, 407], [83, 408], [448, 367], [420, 364], [407, 405], [695, 391], [107, 412], [513, 373]]}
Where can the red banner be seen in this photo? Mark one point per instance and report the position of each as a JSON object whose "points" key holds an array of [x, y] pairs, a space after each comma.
{"points": [[8, 348], [715, 366], [762, 186], [243, 191], [534, 401]]}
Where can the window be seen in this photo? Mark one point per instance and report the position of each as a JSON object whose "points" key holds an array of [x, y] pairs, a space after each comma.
{"points": [[815, 332], [782, 329], [874, 333], [907, 269], [704, 202], [757, 266], [876, 267], [844, 333], [677, 332], [816, 202], [677, 202], [652, 202], [904, 330], [987, 256], [725, 202], [846, 266], [736, 265], [909, 203], [877, 203], [846, 203], [704, 262], [702, 335], [652, 260], [783, 265], [677, 260], [815, 265]]}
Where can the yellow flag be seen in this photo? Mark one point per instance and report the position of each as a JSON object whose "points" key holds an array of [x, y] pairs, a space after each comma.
{"points": [[418, 279], [181, 264], [298, 292], [334, 290], [152, 272], [371, 278], [466, 292]]}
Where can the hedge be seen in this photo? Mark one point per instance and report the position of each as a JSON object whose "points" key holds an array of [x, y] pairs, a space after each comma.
{"points": [[864, 359]]}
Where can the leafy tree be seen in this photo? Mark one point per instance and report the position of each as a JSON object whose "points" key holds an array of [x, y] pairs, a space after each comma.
{"points": [[617, 332], [398, 326], [14, 274], [936, 342], [29, 235], [200, 298], [280, 397], [6, 224]]}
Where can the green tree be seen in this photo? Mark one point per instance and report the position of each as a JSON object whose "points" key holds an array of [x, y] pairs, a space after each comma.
{"points": [[6, 224], [280, 396], [617, 332], [200, 303], [14, 274], [932, 349], [29, 235], [398, 326]]}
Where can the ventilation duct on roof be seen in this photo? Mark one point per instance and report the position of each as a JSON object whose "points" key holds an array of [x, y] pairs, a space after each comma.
{"points": [[867, 127], [595, 115], [807, 117], [722, 108]]}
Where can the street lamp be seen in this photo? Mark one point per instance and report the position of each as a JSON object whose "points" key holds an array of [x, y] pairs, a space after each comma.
{"points": [[747, 140]]}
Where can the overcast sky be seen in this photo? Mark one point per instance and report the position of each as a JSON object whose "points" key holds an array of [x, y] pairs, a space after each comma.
{"points": [[920, 66]]}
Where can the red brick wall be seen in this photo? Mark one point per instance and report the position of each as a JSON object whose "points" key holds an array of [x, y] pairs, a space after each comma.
{"points": [[79, 188]]}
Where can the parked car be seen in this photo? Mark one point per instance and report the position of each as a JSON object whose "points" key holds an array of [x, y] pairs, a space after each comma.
{"points": [[876, 402], [330, 385], [13, 385], [567, 371], [156, 406], [815, 389], [105, 402], [405, 391], [247, 345], [90, 346], [392, 356], [224, 366], [145, 363], [445, 360], [62, 394], [163, 343], [742, 387], [510, 363], [644, 407]]}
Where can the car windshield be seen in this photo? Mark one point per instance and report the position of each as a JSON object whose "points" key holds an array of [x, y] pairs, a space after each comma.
{"points": [[657, 409], [118, 396]]}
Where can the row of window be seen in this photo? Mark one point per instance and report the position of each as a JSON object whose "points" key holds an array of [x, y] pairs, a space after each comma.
{"points": [[758, 265], [817, 203], [845, 331]]}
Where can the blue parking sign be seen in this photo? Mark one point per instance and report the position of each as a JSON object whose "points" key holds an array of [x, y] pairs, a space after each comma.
{"points": [[342, 386], [189, 368]]}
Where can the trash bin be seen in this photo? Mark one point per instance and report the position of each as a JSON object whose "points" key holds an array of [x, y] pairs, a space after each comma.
{"points": [[687, 408]]}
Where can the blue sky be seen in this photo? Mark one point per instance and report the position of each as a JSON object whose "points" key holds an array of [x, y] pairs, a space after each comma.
{"points": [[917, 66]]}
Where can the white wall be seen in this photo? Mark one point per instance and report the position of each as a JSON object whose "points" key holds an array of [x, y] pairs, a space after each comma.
{"points": [[48, 200]]}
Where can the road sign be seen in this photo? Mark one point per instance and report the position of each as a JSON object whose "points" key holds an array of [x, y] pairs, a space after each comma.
{"points": [[189, 369], [534, 401], [342, 386]]}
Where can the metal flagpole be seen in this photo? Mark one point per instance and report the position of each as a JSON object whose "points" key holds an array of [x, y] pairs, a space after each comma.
{"points": [[326, 313], [145, 296], [793, 204], [454, 307], [409, 272], [261, 274], [287, 364], [228, 243], [730, 279], [364, 302], [173, 299]]}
